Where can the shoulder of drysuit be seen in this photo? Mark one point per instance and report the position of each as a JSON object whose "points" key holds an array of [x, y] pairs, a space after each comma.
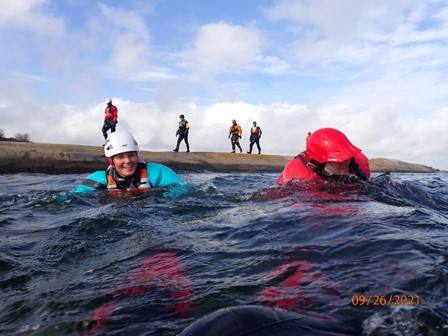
{"points": [[296, 169], [160, 175], [94, 181]]}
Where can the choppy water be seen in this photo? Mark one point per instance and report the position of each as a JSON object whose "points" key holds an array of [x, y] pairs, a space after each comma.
{"points": [[150, 265]]}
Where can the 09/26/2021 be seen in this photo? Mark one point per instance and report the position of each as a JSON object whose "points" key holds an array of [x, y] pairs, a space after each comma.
{"points": [[385, 300]]}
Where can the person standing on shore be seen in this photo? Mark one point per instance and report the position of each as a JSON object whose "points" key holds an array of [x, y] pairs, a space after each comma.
{"points": [[110, 118], [182, 133], [235, 133], [255, 135]]}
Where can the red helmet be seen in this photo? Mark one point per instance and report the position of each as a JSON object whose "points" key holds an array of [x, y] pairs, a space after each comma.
{"points": [[329, 145]]}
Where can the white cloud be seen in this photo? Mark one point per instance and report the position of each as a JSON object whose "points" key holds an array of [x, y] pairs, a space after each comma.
{"points": [[376, 34], [271, 65], [325, 25], [151, 73], [27, 14], [376, 70], [381, 129], [220, 47], [128, 37]]}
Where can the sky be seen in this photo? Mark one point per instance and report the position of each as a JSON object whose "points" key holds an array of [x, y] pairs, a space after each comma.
{"points": [[375, 69]]}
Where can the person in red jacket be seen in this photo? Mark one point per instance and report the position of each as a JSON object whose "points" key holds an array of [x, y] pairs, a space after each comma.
{"points": [[110, 118], [328, 154]]}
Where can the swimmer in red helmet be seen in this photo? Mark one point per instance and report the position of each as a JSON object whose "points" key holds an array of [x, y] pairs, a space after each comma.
{"points": [[328, 153]]}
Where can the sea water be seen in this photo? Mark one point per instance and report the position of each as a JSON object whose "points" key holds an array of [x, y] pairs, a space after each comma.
{"points": [[372, 256]]}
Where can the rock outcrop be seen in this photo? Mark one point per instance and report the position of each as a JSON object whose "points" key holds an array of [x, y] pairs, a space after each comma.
{"points": [[16, 157]]}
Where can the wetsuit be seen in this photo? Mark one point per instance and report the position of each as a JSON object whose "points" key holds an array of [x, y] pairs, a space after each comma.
{"points": [[110, 119], [255, 135], [235, 133], [182, 134], [158, 176]]}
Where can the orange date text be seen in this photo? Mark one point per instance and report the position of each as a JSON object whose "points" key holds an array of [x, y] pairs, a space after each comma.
{"points": [[385, 300]]}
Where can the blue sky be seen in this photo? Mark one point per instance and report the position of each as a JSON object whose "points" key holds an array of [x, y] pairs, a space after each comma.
{"points": [[374, 69]]}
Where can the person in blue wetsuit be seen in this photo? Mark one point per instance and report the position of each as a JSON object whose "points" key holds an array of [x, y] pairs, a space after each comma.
{"points": [[125, 171]]}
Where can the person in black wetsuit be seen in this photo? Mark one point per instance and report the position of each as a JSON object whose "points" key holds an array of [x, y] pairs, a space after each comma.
{"points": [[182, 133], [255, 135]]}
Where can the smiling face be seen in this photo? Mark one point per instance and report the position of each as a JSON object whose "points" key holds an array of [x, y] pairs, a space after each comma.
{"points": [[126, 163]]}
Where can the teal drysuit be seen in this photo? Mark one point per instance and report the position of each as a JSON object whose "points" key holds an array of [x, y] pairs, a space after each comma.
{"points": [[159, 176]]}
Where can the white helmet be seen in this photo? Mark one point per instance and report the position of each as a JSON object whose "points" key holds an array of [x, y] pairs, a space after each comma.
{"points": [[108, 101], [120, 142]]}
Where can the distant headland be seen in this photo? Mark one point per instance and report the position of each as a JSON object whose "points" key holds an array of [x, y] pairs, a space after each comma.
{"points": [[17, 157]]}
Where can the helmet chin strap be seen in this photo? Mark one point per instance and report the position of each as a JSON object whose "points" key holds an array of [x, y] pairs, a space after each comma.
{"points": [[113, 172]]}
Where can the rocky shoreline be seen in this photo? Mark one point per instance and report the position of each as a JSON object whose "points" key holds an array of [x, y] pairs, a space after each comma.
{"points": [[18, 157]]}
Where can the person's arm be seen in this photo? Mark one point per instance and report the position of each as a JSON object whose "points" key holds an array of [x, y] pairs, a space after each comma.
{"points": [[95, 181], [160, 175], [115, 114]]}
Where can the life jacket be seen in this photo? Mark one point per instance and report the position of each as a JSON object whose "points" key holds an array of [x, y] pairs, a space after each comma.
{"points": [[255, 131], [138, 181], [235, 129], [111, 113], [300, 168], [183, 126]]}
